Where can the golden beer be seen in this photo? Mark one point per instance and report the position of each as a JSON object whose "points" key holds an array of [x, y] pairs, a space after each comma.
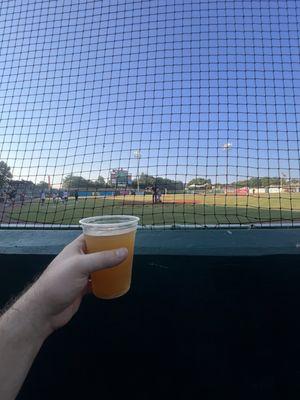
{"points": [[111, 282]]}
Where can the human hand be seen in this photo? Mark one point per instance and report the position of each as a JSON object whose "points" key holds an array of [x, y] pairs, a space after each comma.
{"points": [[57, 294]]}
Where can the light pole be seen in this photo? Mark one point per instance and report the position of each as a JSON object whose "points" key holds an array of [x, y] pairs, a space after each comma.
{"points": [[283, 175], [227, 147], [138, 156]]}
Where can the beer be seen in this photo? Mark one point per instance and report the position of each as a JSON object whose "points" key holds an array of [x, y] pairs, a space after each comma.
{"points": [[108, 233], [112, 282]]}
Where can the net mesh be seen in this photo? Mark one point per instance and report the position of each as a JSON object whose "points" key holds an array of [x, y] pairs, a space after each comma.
{"points": [[180, 112]]}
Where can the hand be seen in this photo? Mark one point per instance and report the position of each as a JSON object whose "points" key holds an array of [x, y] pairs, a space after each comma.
{"points": [[57, 294]]}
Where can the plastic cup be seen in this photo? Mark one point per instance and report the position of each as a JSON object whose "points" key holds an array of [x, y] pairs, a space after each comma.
{"points": [[107, 233]]}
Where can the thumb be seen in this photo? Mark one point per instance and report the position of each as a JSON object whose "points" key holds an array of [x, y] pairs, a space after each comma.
{"points": [[110, 258]]}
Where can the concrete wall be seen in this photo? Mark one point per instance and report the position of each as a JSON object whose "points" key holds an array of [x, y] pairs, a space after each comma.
{"points": [[275, 190], [257, 190]]}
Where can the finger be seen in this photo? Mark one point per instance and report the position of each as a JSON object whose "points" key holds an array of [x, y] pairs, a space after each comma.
{"points": [[88, 288], [78, 244], [79, 241], [105, 259]]}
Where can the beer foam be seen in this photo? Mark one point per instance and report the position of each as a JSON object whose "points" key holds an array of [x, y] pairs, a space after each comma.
{"points": [[109, 225], [96, 232]]}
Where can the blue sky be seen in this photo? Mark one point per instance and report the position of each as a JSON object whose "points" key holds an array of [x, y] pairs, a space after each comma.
{"points": [[84, 84]]}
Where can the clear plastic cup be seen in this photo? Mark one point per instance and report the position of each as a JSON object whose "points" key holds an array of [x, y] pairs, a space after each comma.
{"points": [[107, 233]]}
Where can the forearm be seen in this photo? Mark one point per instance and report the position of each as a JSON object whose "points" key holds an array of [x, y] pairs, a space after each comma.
{"points": [[22, 333], [48, 305]]}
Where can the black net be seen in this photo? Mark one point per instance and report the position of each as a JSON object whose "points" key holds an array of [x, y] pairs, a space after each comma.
{"points": [[179, 112]]}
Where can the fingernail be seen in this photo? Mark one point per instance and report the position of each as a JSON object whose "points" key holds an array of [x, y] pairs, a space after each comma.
{"points": [[121, 252]]}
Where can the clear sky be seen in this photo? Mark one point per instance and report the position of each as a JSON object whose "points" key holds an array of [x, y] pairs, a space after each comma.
{"points": [[85, 83]]}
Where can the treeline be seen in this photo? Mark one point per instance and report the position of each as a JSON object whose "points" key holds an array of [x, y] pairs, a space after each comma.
{"points": [[264, 182], [78, 182], [145, 181], [255, 182], [72, 182]]}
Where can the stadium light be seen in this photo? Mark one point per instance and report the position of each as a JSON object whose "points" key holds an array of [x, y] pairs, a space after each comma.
{"points": [[227, 147], [283, 176], [137, 154]]}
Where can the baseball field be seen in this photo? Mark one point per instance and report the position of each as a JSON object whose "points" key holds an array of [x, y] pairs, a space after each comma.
{"points": [[174, 209]]}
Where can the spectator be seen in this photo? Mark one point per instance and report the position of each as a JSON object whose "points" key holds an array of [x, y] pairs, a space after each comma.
{"points": [[158, 195], [12, 197], [43, 198], [22, 198], [65, 197], [154, 189]]}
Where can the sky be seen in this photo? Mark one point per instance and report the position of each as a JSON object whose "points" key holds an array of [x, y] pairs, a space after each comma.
{"points": [[83, 84]]}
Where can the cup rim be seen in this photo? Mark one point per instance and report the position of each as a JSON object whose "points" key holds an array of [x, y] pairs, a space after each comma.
{"points": [[131, 221]]}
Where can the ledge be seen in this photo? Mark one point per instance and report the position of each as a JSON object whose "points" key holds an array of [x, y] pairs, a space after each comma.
{"points": [[192, 242]]}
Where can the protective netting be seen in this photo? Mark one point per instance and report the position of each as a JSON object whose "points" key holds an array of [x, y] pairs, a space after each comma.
{"points": [[179, 112]]}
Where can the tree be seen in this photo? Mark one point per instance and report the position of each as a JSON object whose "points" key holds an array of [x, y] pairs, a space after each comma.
{"points": [[262, 182], [144, 181], [200, 182], [72, 182], [5, 174], [294, 181], [42, 185], [169, 184], [75, 182], [22, 185], [147, 181], [100, 182]]}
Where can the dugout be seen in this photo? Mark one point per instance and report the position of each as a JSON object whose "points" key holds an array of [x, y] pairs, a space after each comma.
{"points": [[209, 312]]}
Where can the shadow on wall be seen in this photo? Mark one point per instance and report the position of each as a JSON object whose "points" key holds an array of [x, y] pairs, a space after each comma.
{"points": [[190, 325]]}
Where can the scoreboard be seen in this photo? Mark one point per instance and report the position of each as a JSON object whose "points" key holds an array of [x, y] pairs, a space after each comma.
{"points": [[120, 177]]}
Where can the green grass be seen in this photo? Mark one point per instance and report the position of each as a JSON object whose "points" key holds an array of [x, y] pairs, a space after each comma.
{"points": [[214, 210]]}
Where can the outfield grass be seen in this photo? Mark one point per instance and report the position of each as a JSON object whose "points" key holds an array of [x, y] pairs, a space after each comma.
{"points": [[208, 209]]}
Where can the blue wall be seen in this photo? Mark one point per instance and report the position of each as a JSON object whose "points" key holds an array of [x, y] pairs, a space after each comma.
{"points": [[100, 193]]}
